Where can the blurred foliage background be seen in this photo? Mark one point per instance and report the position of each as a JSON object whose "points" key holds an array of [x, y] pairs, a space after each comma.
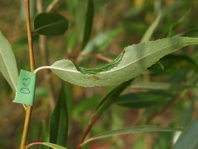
{"points": [[116, 24]]}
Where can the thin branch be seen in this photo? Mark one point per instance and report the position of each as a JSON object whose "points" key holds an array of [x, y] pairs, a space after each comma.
{"points": [[32, 67], [99, 56], [87, 130]]}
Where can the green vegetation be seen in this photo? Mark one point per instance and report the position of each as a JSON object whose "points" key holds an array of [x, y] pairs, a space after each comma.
{"points": [[109, 74]]}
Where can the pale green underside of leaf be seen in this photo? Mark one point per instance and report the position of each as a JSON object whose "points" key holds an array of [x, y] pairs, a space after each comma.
{"points": [[8, 65], [131, 130], [129, 64], [188, 139], [54, 146]]}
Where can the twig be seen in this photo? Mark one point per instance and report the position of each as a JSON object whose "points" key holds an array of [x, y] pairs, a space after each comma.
{"points": [[99, 56], [32, 67], [87, 130]]}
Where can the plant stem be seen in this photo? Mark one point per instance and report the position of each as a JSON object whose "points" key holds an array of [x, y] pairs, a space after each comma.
{"points": [[29, 35], [88, 130], [45, 54], [26, 127], [32, 67]]}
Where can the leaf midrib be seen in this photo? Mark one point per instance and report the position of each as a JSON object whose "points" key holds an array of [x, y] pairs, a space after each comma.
{"points": [[114, 68], [48, 25]]}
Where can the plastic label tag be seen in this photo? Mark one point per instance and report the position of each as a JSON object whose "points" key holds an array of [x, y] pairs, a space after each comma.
{"points": [[25, 88]]}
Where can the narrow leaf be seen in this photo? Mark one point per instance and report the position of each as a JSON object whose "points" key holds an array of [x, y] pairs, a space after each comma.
{"points": [[54, 146], [161, 86], [59, 121], [89, 22], [142, 99], [177, 23], [84, 105], [131, 130], [188, 139], [129, 64], [100, 42], [110, 98], [183, 60], [8, 66], [173, 62], [151, 29], [50, 24]]}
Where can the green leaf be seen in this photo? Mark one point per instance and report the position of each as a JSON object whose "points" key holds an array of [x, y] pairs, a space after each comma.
{"points": [[151, 28], [50, 24], [188, 139], [163, 141], [142, 99], [177, 23], [183, 60], [172, 62], [89, 22], [129, 64], [131, 130], [59, 121], [100, 42], [161, 86], [54, 146], [109, 99], [84, 105], [140, 142], [8, 66]]}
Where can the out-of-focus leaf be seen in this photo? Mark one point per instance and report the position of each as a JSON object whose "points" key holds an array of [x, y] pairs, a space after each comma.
{"points": [[163, 141], [8, 66], [151, 29], [188, 32], [44, 132], [85, 104], [161, 86], [71, 40], [109, 99], [129, 64], [69, 102], [176, 24], [188, 139], [89, 22], [142, 99], [23, 9], [179, 76], [171, 63], [21, 44], [187, 113], [50, 24], [59, 121], [182, 60], [140, 143], [131, 130], [185, 118], [100, 42]]}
